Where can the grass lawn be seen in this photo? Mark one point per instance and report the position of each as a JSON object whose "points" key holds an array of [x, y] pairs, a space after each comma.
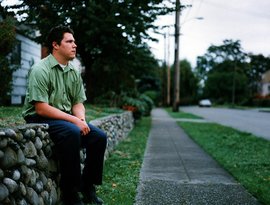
{"points": [[181, 114], [243, 155], [11, 115], [93, 111], [122, 168]]}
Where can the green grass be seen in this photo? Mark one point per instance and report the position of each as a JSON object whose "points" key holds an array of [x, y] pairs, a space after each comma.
{"points": [[245, 156], [122, 168], [93, 111], [181, 114], [10, 116]]}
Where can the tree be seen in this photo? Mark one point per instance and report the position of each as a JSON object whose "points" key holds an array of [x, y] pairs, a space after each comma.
{"points": [[109, 35], [7, 43], [188, 83], [223, 71], [258, 65], [219, 84]]}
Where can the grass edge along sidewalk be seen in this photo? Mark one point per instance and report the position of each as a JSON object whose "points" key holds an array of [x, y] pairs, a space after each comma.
{"points": [[243, 155], [122, 168]]}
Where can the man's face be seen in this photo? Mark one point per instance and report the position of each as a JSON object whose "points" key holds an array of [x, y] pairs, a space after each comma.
{"points": [[67, 47]]}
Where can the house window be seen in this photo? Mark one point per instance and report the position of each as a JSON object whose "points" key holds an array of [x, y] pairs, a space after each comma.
{"points": [[15, 57]]}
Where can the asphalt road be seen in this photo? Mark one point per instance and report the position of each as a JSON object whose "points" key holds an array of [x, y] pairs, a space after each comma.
{"points": [[253, 121]]}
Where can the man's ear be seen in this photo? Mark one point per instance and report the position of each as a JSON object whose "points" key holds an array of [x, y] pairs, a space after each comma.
{"points": [[55, 45]]}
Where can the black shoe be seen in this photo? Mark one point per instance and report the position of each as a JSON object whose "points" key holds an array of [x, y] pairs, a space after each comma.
{"points": [[90, 196], [71, 198]]}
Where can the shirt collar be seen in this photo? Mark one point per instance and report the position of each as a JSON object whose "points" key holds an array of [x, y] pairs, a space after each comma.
{"points": [[54, 63]]}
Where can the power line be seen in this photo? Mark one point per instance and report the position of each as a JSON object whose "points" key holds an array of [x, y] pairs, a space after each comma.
{"points": [[188, 12], [239, 10]]}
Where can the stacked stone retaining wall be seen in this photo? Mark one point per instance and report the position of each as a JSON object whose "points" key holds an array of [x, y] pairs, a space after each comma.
{"points": [[28, 169]]}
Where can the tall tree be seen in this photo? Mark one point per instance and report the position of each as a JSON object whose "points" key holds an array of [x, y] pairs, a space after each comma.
{"points": [[223, 71], [189, 83], [7, 43], [109, 35], [258, 65]]}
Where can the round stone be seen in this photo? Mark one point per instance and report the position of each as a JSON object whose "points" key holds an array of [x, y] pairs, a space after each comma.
{"points": [[3, 192]]}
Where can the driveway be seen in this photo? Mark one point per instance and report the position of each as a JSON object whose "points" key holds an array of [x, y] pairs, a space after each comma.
{"points": [[252, 121]]}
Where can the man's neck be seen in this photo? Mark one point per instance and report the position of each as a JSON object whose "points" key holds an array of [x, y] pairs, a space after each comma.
{"points": [[60, 59]]}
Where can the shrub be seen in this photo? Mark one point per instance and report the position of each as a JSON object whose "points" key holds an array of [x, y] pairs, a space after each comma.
{"points": [[135, 105], [261, 102], [154, 95], [7, 42], [139, 104], [149, 104]]}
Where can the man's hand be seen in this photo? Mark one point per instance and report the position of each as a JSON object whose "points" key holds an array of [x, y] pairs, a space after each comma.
{"points": [[45, 110], [83, 126], [78, 110]]}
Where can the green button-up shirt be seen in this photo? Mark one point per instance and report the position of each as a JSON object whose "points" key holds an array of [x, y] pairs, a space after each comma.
{"points": [[50, 83]]}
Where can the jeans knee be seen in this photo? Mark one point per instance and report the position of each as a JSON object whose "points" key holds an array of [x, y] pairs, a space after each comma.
{"points": [[104, 137], [71, 136]]}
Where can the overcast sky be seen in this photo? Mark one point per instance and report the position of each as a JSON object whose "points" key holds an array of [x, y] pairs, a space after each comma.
{"points": [[244, 20]]}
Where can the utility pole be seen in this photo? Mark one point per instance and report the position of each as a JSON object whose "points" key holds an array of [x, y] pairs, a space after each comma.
{"points": [[233, 87], [167, 65], [165, 94], [176, 96], [168, 72]]}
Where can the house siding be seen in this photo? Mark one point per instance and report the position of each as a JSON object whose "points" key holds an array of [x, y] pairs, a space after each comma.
{"points": [[265, 84], [30, 54]]}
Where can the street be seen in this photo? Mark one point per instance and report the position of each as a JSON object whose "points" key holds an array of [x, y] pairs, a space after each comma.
{"points": [[252, 120]]}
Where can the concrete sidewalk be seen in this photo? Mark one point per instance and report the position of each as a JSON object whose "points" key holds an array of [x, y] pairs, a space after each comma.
{"points": [[177, 171]]}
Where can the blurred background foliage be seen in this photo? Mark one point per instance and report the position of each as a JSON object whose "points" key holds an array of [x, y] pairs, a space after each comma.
{"points": [[112, 44], [110, 35], [111, 38], [7, 65]]}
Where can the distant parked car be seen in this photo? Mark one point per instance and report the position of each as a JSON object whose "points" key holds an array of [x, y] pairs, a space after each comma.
{"points": [[205, 103]]}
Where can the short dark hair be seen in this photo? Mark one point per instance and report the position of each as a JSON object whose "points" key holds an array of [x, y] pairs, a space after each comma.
{"points": [[56, 34]]}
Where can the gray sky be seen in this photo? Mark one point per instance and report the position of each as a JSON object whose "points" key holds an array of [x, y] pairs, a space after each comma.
{"points": [[244, 20]]}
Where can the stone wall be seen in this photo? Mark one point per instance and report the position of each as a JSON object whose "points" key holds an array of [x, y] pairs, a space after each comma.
{"points": [[28, 169]]}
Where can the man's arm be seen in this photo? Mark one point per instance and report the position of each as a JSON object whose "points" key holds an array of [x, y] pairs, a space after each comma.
{"points": [[78, 110], [45, 110]]}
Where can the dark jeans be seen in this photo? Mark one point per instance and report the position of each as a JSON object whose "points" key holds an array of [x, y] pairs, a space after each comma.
{"points": [[68, 141]]}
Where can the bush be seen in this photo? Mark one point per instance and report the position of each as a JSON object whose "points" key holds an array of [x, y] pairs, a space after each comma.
{"points": [[261, 102], [154, 95], [110, 99], [139, 104], [149, 104], [8, 40], [135, 105]]}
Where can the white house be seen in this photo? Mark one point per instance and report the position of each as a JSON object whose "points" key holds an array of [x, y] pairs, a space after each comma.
{"points": [[265, 88], [28, 52]]}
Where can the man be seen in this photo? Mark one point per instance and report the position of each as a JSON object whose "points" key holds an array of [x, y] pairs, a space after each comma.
{"points": [[55, 96]]}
